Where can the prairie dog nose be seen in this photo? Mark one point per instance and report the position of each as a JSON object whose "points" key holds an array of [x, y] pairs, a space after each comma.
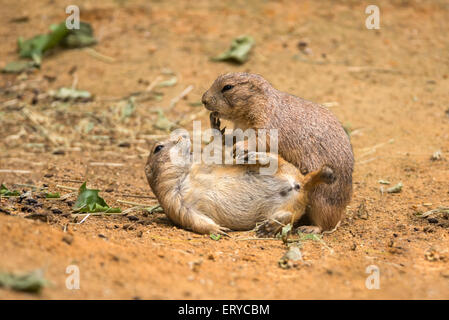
{"points": [[204, 99]]}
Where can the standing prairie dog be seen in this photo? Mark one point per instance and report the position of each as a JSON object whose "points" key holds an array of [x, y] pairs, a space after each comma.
{"points": [[218, 198], [309, 136]]}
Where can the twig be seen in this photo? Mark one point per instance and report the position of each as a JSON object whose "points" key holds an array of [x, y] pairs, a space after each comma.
{"points": [[375, 147], [75, 81], [333, 230], [98, 55], [19, 185], [106, 164], [136, 196], [68, 180], [367, 160], [255, 238], [131, 209], [176, 99], [437, 210], [68, 195], [14, 171], [372, 69], [11, 102], [73, 215], [134, 203], [66, 188], [153, 84], [84, 219]]}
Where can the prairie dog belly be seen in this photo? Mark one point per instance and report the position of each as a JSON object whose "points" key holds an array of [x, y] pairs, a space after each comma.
{"points": [[237, 197]]}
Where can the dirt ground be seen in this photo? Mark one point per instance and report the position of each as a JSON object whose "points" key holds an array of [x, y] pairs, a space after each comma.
{"points": [[388, 86]]}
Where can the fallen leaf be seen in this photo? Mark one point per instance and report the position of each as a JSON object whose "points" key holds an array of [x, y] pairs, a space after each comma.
{"points": [[35, 47], [395, 189], [127, 109], [89, 201], [239, 50], [19, 66], [215, 237], [5, 192], [79, 38], [32, 282], [69, 94]]}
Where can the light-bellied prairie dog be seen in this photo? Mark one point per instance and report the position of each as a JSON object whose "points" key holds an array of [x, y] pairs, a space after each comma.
{"points": [[309, 136], [217, 198]]}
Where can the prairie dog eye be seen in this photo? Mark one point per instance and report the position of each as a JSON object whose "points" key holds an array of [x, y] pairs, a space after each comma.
{"points": [[158, 148], [227, 87]]}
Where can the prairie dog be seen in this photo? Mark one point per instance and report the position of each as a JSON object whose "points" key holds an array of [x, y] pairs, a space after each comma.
{"points": [[309, 136], [218, 198]]}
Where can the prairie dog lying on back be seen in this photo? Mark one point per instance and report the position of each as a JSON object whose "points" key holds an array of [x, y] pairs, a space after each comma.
{"points": [[218, 198]]}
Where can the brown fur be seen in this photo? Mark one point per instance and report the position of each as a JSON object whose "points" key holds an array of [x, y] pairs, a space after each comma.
{"points": [[217, 198], [309, 137]]}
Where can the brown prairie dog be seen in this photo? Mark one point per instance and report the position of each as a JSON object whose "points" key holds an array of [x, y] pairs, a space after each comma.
{"points": [[218, 198], [309, 136]]}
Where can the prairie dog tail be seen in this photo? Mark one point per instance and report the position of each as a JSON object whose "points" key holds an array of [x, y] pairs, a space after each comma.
{"points": [[310, 181]]}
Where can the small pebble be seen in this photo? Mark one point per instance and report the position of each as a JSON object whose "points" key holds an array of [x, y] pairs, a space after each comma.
{"points": [[67, 239], [124, 144], [59, 152], [432, 220]]}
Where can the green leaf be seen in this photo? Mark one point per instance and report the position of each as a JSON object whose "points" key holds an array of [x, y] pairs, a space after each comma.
{"points": [[78, 38], [32, 282], [19, 66], [5, 192], [89, 201], [50, 195], [309, 236], [35, 47], [215, 237], [239, 50]]}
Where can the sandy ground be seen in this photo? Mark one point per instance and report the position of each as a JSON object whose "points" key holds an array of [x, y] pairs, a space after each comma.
{"points": [[388, 86]]}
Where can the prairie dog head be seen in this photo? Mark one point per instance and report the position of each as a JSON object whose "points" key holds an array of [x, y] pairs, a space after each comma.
{"points": [[235, 96], [168, 159]]}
